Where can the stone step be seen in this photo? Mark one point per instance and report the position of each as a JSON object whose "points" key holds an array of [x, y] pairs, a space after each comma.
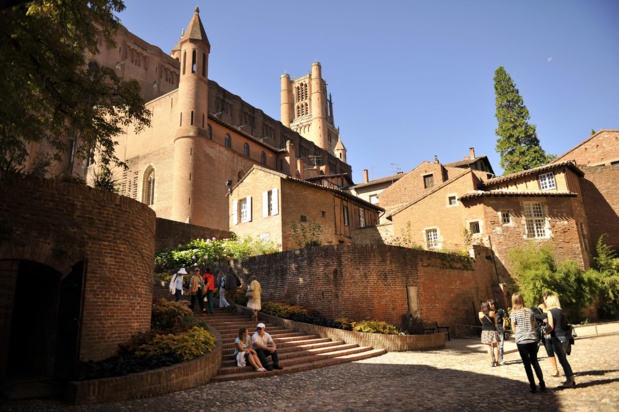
{"points": [[300, 367], [298, 351], [229, 360]]}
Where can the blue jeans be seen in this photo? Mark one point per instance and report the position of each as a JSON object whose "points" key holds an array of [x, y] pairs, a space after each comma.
{"points": [[501, 343], [528, 354], [559, 344]]}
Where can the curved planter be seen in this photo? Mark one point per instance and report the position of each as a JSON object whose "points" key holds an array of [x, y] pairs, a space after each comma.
{"points": [[147, 384], [391, 343]]}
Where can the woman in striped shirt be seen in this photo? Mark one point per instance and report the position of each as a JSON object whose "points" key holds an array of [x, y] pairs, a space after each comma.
{"points": [[523, 325]]}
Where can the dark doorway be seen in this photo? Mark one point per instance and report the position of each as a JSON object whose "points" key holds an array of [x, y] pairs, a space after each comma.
{"points": [[45, 330], [33, 325]]}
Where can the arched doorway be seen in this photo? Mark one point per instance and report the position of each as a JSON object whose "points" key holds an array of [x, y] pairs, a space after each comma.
{"points": [[44, 330]]}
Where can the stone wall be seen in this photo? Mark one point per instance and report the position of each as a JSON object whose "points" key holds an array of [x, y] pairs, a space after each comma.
{"points": [[375, 282], [601, 199], [170, 234], [61, 224]]}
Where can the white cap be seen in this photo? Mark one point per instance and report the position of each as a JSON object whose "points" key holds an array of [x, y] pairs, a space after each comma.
{"points": [[182, 271], [261, 326]]}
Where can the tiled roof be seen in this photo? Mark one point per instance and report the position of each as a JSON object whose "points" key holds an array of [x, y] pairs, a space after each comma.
{"points": [[569, 164], [305, 182], [515, 193], [380, 180]]}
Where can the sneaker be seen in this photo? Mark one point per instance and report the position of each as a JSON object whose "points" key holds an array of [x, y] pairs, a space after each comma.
{"points": [[269, 368], [542, 386], [277, 367], [261, 370]]}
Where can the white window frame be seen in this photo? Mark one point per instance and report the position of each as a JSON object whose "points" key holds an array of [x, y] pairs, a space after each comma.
{"points": [[547, 181], [431, 241], [270, 203], [452, 196], [241, 210], [503, 214], [478, 222], [535, 220]]}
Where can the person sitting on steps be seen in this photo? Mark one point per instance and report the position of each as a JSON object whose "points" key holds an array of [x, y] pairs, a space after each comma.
{"points": [[265, 346]]}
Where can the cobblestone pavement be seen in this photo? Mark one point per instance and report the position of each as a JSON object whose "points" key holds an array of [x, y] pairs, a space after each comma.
{"points": [[458, 378]]}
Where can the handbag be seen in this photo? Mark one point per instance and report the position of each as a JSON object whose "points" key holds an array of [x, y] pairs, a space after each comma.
{"points": [[250, 294]]}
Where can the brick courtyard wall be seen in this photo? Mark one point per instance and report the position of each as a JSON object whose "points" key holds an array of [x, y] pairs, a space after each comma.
{"points": [[170, 234], [601, 148], [371, 282], [61, 224], [601, 199]]}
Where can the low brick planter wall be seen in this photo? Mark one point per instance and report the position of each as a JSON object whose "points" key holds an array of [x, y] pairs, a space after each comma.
{"points": [[391, 343], [156, 382]]}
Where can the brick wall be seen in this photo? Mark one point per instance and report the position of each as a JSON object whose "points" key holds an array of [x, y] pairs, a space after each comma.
{"points": [[601, 199], [601, 148], [170, 234], [371, 282], [60, 224]]}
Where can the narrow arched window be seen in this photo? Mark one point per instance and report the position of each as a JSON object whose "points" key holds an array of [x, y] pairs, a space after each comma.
{"points": [[148, 196], [203, 64], [194, 62], [184, 60], [228, 141], [263, 158], [246, 149], [209, 132]]}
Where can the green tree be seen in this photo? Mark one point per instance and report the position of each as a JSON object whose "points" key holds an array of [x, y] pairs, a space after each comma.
{"points": [[517, 144], [50, 90], [606, 269], [536, 271]]}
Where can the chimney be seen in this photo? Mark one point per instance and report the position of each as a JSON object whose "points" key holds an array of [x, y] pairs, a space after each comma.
{"points": [[472, 153], [365, 176]]}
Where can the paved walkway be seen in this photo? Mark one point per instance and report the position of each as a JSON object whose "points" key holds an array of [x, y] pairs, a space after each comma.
{"points": [[455, 379]]}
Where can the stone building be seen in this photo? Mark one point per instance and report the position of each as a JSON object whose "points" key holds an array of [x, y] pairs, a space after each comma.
{"points": [[544, 205], [598, 158], [202, 136], [293, 213]]}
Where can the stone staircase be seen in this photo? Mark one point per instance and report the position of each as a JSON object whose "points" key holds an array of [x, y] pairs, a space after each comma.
{"points": [[298, 351]]}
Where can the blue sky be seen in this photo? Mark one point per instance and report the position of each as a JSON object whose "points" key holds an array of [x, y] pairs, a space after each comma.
{"points": [[411, 79]]}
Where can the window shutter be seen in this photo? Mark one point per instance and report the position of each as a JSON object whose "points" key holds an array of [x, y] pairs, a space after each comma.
{"points": [[275, 197], [249, 208], [235, 212], [265, 204]]}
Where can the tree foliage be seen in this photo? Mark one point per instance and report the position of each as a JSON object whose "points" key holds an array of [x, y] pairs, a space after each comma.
{"points": [[606, 269], [536, 271], [517, 144], [50, 92]]}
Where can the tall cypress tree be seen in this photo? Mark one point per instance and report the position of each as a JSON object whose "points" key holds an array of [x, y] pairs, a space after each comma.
{"points": [[517, 144]]}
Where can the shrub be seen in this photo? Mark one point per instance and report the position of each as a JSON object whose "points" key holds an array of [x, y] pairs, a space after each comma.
{"points": [[167, 314], [204, 252], [189, 345], [375, 326], [301, 314]]}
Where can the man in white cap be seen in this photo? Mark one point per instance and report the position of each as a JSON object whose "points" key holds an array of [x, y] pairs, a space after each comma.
{"points": [[264, 346], [176, 284]]}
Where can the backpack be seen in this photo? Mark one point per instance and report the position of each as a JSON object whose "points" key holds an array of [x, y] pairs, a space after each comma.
{"points": [[232, 281]]}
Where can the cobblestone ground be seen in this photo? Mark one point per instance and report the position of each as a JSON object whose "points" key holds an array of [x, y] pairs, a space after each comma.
{"points": [[458, 378]]}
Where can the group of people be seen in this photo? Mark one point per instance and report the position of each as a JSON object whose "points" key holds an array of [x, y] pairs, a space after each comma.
{"points": [[546, 324], [202, 287], [256, 350]]}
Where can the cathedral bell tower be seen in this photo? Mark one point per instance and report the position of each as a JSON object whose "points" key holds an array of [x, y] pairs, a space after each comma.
{"points": [[189, 141], [307, 109]]}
